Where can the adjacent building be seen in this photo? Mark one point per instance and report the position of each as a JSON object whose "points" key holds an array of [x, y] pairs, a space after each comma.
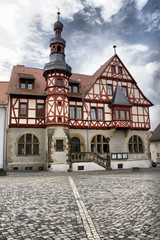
{"points": [[66, 121], [155, 145], [3, 124]]}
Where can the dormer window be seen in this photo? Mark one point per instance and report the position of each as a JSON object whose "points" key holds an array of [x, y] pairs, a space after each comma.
{"points": [[73, 88], [26, 83]]}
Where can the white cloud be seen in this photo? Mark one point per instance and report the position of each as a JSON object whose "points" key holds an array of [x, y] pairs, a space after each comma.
{"points": [[109, 8], [140, 4], [153, 67]]}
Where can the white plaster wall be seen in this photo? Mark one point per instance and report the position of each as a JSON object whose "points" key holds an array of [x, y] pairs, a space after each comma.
{"points": [[59, 167], [87, 166], [130, 164], [2, 121]]}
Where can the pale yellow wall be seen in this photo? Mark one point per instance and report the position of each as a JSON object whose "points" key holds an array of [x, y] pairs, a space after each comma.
{"points": [[154, 149]]}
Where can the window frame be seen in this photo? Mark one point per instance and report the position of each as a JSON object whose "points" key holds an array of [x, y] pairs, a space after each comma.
{"points": [[99, 144], [43, 113], [120, 70], [76, 114], [26, 83], [113, 69], [59, 82], [22, 115], [71, 88], [109, 89], [28, 145], [59, 149], [135, 145], [125, 91]]}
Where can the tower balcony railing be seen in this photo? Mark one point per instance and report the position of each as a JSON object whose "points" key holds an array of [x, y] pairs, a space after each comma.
{"points": [[121, 123]]}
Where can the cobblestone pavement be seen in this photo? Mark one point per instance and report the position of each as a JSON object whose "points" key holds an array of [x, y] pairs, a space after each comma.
{"points": [[82, 206]]}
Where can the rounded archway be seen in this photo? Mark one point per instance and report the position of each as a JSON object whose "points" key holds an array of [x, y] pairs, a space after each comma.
{"points": [[75, 144]]}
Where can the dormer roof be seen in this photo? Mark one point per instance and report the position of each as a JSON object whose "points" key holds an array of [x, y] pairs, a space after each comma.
{"points": [[119, 99]]}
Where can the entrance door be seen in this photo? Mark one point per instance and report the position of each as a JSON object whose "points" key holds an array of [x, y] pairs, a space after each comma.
{"points": [[75, 144]]}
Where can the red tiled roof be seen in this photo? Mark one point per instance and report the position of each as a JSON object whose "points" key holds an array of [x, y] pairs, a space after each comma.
{"points": [[155, 135], [20, 70], [3, 92], [40, 84]]}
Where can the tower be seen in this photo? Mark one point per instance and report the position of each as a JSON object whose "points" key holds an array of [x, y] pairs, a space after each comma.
{"points": [[57, 73]]}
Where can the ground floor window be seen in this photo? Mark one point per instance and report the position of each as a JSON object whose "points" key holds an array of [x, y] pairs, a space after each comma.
{"points": [[135, 144], [59, 145], [28, 144], [100, 144]]}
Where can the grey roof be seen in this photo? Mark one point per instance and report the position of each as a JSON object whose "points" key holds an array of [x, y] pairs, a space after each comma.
{"points": [[58, 24], [57, 61], [119, 98], [155, 135], [57, 39]]}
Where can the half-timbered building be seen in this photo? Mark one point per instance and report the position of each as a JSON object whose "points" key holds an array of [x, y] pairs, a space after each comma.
{"points": [[66, 121]]}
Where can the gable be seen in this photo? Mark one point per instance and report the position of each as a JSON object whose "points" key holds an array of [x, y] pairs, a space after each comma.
{"points": [[108, 74]]}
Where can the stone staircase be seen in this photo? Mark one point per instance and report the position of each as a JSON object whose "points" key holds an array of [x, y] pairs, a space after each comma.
{"points": [[90, 157]]}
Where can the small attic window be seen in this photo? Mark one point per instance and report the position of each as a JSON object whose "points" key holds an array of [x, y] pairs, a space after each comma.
{"points": [[120, 70], [113, 69], [25, 83], [73, 88]]}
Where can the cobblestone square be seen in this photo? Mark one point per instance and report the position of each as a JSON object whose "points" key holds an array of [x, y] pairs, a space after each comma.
{"points": [[104, 205]]}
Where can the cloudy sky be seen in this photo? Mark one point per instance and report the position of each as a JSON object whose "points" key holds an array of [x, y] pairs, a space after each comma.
{"points": [[91, 28]]}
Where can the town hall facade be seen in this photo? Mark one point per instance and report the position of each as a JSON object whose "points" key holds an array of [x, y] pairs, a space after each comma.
{"points": [[63, 121]]}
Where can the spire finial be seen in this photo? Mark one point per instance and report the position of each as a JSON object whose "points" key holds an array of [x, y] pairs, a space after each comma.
{"points": [[58, 13], [114, 49]]}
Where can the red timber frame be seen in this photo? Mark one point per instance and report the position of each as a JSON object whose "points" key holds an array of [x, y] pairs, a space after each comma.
{"points": [[57, 102], [15, 118]]}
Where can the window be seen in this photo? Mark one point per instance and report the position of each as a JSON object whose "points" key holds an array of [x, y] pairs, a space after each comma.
{"points": [[59, 120], [122, 115], [59, 145], [26, 84], [113, 69], [58, 48], [72, 112], [59, 82], [120, 70], [158, 156], [75, 112], [28, 144], [59, 103], [23, 110], [109, 90], [75, 89], [70, 88], [135, 144], [100, 113], [124, 90], [75, 144], [93, 113], [100, 144], [79, 112], [40, 110], [23, 84], [30, 84]]}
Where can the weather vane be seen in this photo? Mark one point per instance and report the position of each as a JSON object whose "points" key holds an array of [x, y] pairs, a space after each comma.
{"points": [[114, 49], [58, 12]]}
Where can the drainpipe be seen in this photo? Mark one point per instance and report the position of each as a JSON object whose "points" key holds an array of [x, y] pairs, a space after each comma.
{"points": [[5, 140], [87, 111]]}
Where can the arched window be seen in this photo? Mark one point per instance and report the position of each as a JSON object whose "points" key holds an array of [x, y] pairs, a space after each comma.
{"points": [[75, 144], [135, 144], [100, 144], [28, 144], [58, 48]]}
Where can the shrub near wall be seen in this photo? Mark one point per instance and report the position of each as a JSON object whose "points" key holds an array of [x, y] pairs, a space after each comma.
{"points": [[2, 172]]}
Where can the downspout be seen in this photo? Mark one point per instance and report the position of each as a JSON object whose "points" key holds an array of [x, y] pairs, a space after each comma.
{"points": [[87, 112], [5, 140]]}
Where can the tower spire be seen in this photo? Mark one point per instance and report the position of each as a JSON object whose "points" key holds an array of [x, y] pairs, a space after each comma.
{"points": [[58, 13]]}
